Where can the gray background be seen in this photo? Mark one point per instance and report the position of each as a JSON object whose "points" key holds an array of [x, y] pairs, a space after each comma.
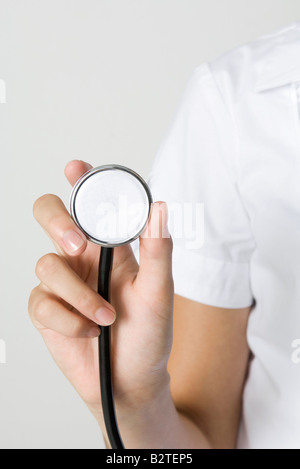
{"points": [[97, 80]]}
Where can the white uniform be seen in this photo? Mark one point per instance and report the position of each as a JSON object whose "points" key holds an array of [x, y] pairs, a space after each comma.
{"points": [[234, 145]]}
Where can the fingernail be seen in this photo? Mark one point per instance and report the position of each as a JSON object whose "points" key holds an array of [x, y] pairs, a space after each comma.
{"points": [[93, 332], [72, 241], [105, 317]]}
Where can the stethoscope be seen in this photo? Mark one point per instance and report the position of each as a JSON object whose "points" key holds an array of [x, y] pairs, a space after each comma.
{"points": [[111, 204]]}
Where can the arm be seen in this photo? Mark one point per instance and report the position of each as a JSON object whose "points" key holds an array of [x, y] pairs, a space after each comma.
{"points": [[201, 406], [181, 394], [209, 391]]}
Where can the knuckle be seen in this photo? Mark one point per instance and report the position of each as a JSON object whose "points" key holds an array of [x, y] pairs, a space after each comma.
{"points": [[37, 205], [56, 221], [46, 265], [40, 204], [31, 300], [86, 302], [41, 308], [38, 305], [77, 328]]}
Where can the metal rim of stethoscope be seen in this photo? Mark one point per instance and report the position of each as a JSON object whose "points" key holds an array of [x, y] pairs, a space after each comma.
{"points": [[89, 174]]}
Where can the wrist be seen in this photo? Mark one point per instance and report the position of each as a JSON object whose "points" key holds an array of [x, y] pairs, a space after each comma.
{"points": [[136, 411], [136, 400], [142, 400], [149, 423]]}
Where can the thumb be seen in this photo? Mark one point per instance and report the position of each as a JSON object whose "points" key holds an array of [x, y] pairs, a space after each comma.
{"points": [[155, 252]]}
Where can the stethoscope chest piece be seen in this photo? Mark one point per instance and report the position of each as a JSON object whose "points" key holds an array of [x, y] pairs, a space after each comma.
{"points": [[111, 204]]}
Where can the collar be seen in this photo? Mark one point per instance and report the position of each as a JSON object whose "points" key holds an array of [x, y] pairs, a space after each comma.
{"points": [[277, 59]]}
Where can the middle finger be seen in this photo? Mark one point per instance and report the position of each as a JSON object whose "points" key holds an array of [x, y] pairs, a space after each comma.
{"points": [[57, 275]]}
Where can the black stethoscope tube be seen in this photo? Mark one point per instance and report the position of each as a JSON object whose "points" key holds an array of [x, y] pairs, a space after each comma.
{"points": [[105, 268], [86, 217]]}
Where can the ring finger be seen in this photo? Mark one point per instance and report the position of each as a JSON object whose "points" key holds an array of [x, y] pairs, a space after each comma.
{"points": [[47, 312]]}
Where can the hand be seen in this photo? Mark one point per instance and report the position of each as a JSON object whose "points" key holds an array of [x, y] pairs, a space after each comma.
{"points": [[66, 309]]}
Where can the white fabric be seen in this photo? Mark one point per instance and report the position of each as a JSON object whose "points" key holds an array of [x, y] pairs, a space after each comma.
{"points": [[234, 145]]}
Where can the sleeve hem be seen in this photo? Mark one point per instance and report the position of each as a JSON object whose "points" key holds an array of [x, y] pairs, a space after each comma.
{"points": [[210, 281]]}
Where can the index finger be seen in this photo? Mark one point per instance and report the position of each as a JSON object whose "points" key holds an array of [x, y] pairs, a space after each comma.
{"points": [[54, 218]]}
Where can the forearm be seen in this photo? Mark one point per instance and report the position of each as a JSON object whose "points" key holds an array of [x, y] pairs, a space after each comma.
{"points": [[157, 425]]}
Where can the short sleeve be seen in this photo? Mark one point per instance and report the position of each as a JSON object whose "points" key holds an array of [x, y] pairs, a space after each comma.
{"points": [[196, 173]]}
